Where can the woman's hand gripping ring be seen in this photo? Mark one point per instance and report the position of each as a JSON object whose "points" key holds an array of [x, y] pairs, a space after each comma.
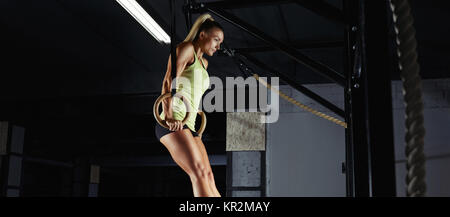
{"points": [[188, 113]]}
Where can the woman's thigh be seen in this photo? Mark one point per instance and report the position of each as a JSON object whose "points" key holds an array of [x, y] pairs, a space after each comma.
{"points": [[202, 149], [183, 148]]}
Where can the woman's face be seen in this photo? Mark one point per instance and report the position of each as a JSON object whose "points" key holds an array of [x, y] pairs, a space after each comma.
{"points": [[211, 40]]}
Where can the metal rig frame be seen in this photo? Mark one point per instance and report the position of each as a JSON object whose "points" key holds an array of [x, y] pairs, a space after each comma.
{"points": [[370, 163]]}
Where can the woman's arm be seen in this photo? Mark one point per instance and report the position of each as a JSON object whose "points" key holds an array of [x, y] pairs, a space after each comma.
{"points": [[185, 55]]}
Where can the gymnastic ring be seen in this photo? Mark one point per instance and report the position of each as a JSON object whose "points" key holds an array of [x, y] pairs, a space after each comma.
{"points": [[203, 124], [163, 123], [156, 113]]}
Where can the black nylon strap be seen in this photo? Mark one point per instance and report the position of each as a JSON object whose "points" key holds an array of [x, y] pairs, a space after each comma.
{"points": [[172, 44]]}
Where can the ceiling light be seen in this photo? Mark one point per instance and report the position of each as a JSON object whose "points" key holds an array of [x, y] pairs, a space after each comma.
{"points": [[145, 20]]}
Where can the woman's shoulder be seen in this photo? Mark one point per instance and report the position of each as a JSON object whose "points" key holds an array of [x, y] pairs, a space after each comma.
{"points": [[185, 46], [185, 51]]}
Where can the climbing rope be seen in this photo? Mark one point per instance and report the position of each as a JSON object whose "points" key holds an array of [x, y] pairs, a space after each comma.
{"points": [[412, 93], [303, 106], [247, 71]]}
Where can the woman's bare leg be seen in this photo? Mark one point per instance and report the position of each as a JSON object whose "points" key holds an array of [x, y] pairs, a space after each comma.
{"points": [[206, 161], [186, 153]]}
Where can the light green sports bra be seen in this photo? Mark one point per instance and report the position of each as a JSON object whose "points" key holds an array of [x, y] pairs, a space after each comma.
{"points": [[192, 85]]}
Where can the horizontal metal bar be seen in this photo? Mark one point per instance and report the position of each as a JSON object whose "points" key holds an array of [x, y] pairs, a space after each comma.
{"points": [[319, 7], [47, 162], [302, 45], [133, 161], [245, 188], [291, 52], [323, 9], [298, 87], [245, 3]]}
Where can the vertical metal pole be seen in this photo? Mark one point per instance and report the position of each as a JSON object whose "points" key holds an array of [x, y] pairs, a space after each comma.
{"points": [[349, 40], [263, 174], [187, 14], [370, 166], [229, 175], [172, 41], [379, 99], [357, 152]]}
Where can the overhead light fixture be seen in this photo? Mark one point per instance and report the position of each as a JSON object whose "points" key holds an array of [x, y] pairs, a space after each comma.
{"points": [[145, 20]]}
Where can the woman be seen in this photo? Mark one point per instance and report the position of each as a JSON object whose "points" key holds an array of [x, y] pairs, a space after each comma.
{"points": [[184, 144]]}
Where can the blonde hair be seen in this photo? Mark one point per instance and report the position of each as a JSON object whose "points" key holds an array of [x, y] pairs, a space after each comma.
{"points": [[194, 29]]}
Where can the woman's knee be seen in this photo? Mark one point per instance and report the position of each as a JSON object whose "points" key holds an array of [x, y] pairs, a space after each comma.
{"points": [[201, 170]]}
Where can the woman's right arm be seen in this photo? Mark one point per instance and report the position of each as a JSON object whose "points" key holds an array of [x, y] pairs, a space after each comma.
{"points": [[184, 54]]}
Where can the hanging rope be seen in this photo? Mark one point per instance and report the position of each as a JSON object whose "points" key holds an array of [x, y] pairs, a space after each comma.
{"points": [[247, 71], [303, 106], [412, 93]]}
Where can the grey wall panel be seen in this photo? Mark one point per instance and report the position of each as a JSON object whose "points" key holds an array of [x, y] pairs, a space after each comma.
{"points": [[304, 152]]}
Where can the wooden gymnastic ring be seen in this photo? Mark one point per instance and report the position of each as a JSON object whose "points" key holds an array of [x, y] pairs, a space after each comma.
{"points": [[203, 124], [156, 113], [163, 122]]}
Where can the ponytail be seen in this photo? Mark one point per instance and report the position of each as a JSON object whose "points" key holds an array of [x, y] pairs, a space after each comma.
{"points": [[197, 27]]}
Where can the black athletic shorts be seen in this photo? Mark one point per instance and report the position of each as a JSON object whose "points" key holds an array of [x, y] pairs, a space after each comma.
{"points": [[161, 131]]}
